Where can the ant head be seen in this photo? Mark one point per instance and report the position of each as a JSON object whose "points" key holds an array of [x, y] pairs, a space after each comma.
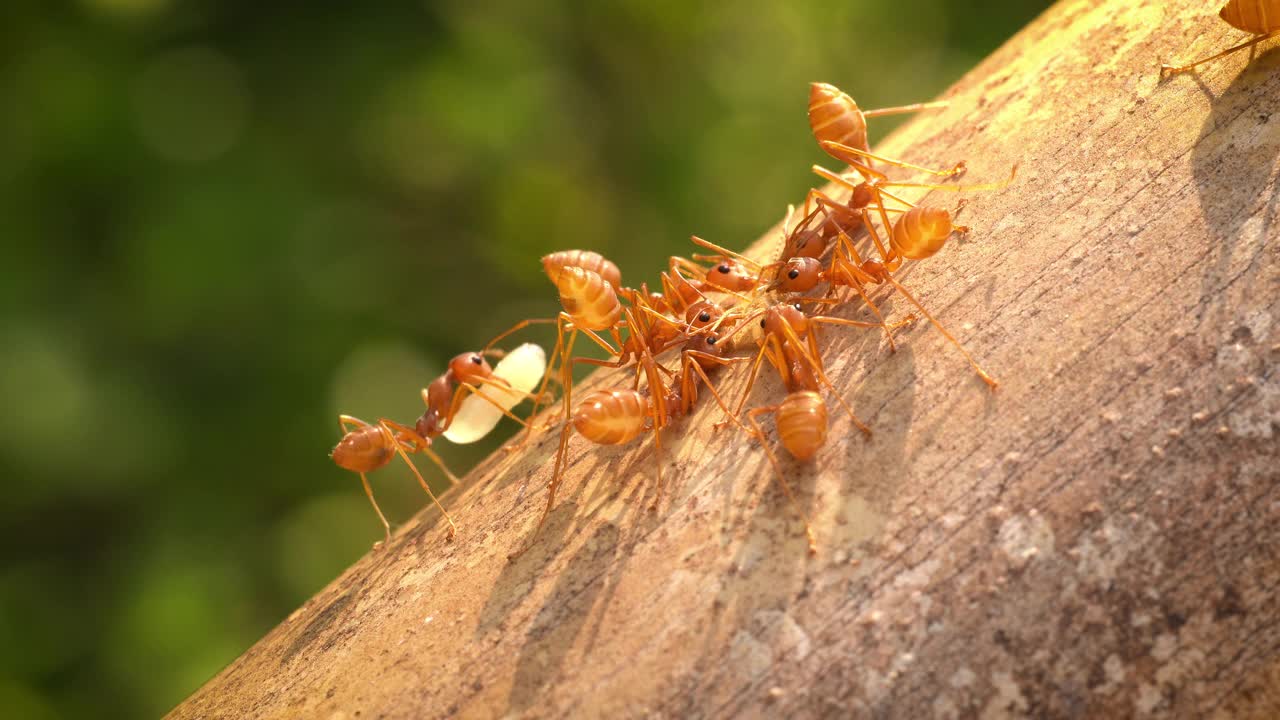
{"points": [[730, 276], [702, 314], [469, 367], [709, 343], [799, 274], [792, 315]]}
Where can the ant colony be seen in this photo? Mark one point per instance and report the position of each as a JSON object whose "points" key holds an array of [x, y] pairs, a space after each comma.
{"points": [[711, 310]]}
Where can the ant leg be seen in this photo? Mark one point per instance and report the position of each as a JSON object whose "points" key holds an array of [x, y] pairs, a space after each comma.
{"points": [[868, 174], [556, 352], [999, 185], [691, 359], [842, 181], [657, 445], [851, 323], [852, 276], [515, 328], [902, 109], [567, 360], [725, 252], [614, 364], [689, 266], [846, 154], [566, 373], [822, 202], [479, 392], [386, 526], [777, 469], [770, 348], [345, 420], [838, 216], [809, 351], [556, 476], [751, 381], [551, 491], [786, 223], [657, 315], [387, 426], [602, 342], [743, 322], [888, 328], [990, 381], [657, 392], [672, 291], [1168, 70], [888, 257]]}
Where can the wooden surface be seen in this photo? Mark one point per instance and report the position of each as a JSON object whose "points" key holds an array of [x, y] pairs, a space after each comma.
{"points": [[1101, 537]]}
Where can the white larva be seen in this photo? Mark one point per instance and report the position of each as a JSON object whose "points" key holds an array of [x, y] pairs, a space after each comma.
{"points": [[523, 369]]}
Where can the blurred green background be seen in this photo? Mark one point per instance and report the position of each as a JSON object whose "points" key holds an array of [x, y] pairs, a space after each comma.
{"points": [[222, 223]]}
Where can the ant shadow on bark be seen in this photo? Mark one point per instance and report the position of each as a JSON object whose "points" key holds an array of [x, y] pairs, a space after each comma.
{"points": [[536, 551], [1234, 166], [555, 628], [767, 567], [590, 486], [875, 465]]}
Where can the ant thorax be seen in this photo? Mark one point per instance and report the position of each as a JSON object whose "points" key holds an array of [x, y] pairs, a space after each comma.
{"points": [[434, 420]]}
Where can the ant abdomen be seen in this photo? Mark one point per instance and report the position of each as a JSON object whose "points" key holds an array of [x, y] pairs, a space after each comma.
{"points": [[921, 232], [554, 263], [1250, 16], [362, 450], [611, 417], [588, 298], [802, 423], [835, 117]]}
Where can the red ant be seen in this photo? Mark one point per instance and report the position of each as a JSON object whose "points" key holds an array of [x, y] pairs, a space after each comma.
{"points": [[366, 447]]}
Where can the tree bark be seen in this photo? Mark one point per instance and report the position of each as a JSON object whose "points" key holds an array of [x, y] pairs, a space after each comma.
{"points": [[1099, 537]]}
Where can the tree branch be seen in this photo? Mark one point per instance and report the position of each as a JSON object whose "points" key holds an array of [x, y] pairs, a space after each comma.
{"points": [[1101, 537]]}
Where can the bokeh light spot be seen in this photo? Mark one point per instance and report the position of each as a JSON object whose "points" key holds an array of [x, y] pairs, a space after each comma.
{"points": [[190, 105]]}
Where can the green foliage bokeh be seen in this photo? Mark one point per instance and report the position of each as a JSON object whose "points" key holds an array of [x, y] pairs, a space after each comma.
{"points": [[222, 223]]}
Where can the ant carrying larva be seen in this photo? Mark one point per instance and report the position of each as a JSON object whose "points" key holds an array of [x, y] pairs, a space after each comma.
{"points": [[365, 447]]}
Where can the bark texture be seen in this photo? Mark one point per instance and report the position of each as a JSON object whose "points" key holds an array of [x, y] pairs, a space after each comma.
{"points": [[1100, 537]]}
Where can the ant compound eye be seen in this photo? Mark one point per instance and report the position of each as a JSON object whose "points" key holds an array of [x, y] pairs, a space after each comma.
{"points": [[705, 316], [797, 307], [712, 340], [477, 360], [723, 268], [762, 322], [793, 274]]}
